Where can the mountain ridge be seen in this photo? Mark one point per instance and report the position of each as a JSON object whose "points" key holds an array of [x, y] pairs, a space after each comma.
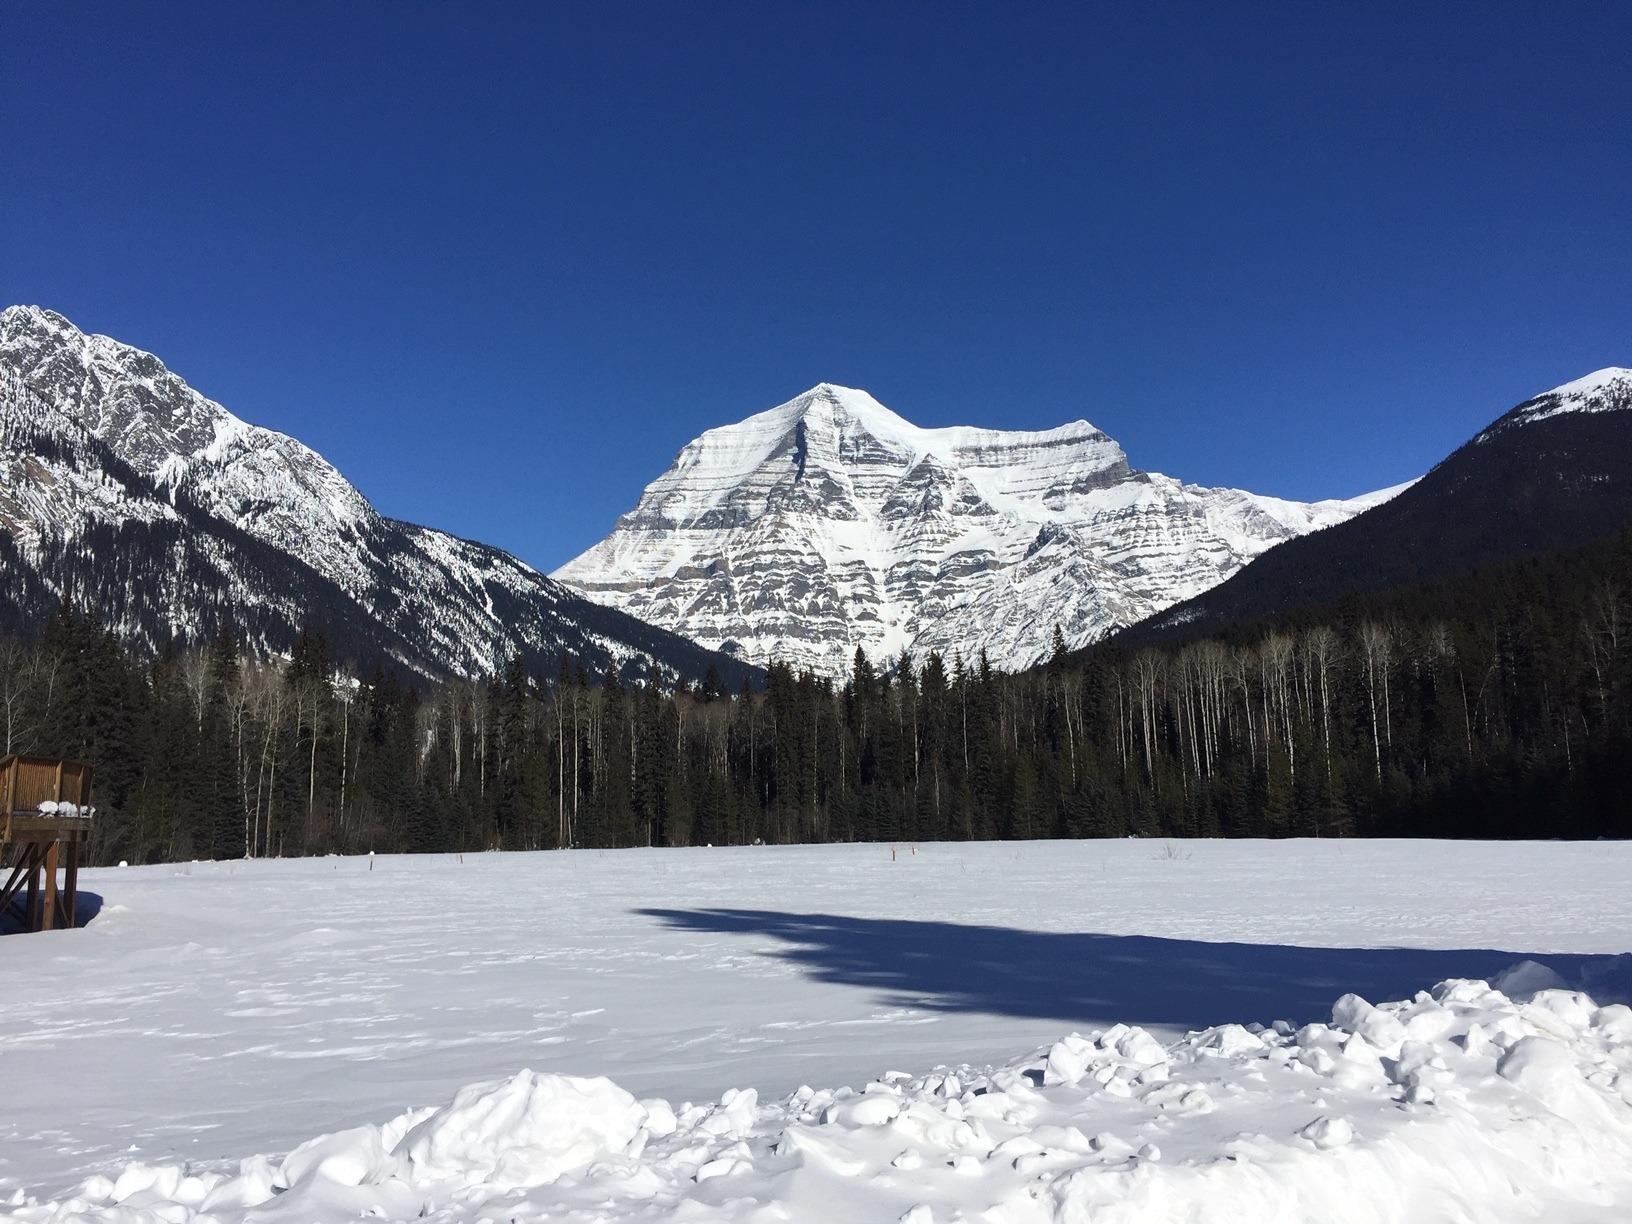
{"points": [[103, 442], [1552, 472], [829, 522]]}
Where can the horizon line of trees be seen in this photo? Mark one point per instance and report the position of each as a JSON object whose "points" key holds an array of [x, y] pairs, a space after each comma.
{"points": [[1492, 704]]}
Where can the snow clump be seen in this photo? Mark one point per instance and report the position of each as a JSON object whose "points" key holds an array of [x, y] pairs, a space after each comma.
{"points": [[1461, 1103]]}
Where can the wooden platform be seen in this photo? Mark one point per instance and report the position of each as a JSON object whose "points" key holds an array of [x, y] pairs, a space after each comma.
{"points": [[35, 845]]}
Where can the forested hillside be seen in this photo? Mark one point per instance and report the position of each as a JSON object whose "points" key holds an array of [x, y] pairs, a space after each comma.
{"points": [[1491, 704], [1554, 472]]}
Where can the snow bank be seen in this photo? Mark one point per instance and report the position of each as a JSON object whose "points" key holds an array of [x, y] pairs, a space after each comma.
{"points": [[524, 1132], [1462, 1103]]}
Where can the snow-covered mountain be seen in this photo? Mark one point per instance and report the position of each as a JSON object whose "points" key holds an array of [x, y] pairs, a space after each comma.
{"points": [[127, 492], [1606, 390], [829, 522], [1554, 472]]}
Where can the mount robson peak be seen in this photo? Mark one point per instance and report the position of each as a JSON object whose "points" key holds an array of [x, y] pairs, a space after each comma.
{"points": [[829, 523], [127, 494]]}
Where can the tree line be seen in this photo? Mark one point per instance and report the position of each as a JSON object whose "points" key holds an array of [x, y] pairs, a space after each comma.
{"points": [[1495, 704]]}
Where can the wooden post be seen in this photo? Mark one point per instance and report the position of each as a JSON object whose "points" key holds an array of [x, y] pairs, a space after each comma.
{"points": [[14, 880], [71, 885], [49, 915], [31, 911]]}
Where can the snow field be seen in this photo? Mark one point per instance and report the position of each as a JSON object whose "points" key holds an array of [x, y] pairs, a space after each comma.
{"points": [[1461, 1104], [214, 1010]]}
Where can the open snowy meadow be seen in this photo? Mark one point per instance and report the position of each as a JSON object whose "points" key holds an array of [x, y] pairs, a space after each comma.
{"points": [[1003, 1032]]}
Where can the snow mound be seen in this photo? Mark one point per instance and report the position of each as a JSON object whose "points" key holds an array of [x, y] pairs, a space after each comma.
{"points": [[1461, 1103], [526, 1131]]}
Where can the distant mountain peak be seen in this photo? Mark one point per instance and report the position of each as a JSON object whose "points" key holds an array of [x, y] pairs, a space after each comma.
{"points": [[124, 395], [160, 510], [1554, 472], [830, 405], [1605, 390], [830, 522], [1591, 384]]}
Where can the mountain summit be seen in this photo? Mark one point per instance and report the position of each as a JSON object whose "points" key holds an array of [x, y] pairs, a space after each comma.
{"points": [[830, 522], [126, 493], [1554, 472]]}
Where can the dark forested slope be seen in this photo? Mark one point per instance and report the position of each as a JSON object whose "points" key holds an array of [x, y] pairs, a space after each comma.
{"points": [[1556, 471], [1493, 703]]}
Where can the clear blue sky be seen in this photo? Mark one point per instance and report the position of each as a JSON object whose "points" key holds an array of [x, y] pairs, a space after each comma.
{"points": [[499, 263]]}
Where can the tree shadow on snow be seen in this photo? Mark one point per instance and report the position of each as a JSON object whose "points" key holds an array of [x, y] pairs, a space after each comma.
{"points": [[1102, 979]]}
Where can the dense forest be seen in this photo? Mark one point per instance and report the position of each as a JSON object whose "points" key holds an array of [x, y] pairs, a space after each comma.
{"points": [[1495, 703]]}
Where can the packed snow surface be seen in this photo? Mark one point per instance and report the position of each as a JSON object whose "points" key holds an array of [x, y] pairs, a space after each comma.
{"points": [[1125, 1030]]}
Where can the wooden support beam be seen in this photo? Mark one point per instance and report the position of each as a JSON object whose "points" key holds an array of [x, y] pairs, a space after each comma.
{"points": [[48, 912], [25, 851], [32, 921], [71, 886]]}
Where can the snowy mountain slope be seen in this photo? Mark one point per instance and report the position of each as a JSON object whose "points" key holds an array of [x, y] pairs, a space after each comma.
{"points": [[127, 490], [1552, 473], [830, 522], [78, 524], [1606, 390]]}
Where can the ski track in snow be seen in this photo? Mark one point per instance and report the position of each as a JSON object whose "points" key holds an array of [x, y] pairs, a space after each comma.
{"points": [[214, 1011]]}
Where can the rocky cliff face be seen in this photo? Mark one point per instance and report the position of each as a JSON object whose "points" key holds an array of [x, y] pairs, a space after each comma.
{"points": [[129, 494], [829, 522]]}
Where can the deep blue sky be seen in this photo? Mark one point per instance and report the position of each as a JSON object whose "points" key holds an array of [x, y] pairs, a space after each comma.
{"points": [[500, 263]]}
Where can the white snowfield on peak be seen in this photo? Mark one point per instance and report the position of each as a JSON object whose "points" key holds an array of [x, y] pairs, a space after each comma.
{"points": [[830, 522]]}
